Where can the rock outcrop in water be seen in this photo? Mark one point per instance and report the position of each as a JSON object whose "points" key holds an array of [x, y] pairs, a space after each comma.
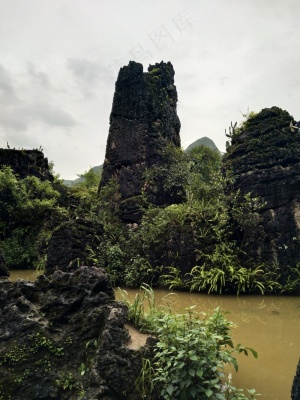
{"points": [[296, 384], [143, 122], [26, 162], [264, 159], [63, 337]]}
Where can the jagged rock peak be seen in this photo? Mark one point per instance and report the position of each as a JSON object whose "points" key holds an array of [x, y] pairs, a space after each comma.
{"points": [[143, 122]]}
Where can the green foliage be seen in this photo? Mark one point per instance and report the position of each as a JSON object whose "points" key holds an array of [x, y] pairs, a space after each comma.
{"points": [[20, 248], [138, 270], [109, 203], [248, 116], [197, 221], [110, 256], [196, 174], [172, 278], [24, 200], [190, 355], [84, 195], [20, 355], [66, 382], [222, 272], [205, 177], [292, 285], [144, 311], [171, 177], [28, 211], [91, 178], [83, 202]]}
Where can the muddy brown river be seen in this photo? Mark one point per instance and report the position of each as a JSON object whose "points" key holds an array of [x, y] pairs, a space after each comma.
{"points": [[269, 324]]}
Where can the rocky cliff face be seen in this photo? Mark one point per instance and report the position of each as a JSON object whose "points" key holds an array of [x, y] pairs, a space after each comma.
{"points": [[63, 337], [26, 162], [143, 122], [264, 159]]}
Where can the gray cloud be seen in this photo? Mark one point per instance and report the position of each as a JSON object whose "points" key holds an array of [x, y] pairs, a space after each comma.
{"points": [[88, 75], [52, 115], [24, 103], [37, 76], [12, 120], [7, 90], [20, 118], [84, 70], [231, 57]]}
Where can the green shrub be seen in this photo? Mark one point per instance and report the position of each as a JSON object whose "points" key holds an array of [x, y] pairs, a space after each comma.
{"points": [[137, 272], [190, 354], [29, 212]]}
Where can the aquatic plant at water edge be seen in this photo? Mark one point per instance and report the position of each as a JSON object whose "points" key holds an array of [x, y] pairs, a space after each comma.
{"points": [[191, 352]]}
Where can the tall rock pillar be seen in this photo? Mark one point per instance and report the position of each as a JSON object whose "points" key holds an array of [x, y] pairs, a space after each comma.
{"points": [[264, 159], [143, 122]]}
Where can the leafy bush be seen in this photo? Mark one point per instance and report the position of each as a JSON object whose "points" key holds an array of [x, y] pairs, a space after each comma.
{"points": [[205, 177], [83, 195], [28, 212], [190, 354], [137, 272]]}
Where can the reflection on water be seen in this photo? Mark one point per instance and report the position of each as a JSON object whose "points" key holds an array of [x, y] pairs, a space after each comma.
{"points": [[269, 324]]}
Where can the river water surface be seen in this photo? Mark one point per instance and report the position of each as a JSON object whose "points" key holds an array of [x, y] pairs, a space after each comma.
{"points": [[269, 324]]}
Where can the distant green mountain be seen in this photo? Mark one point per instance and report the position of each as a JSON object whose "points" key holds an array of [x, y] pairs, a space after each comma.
{"points": [[98, 170], [204, 141]]}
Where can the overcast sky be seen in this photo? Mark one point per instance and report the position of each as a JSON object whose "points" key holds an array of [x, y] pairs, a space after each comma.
{"points": [[60, 60]]}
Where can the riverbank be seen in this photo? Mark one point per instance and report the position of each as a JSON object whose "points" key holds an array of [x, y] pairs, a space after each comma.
{"points": [[269, 324]]}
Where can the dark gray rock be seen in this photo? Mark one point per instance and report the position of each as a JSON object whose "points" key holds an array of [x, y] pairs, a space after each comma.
{"points": [[3, 270], [26, 162], [70, 243], [143, 122], [63, 337], [264, 159], [296, 384]]}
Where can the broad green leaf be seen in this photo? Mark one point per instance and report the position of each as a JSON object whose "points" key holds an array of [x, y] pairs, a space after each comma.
{"points": [[170, 389], [199, 373]]}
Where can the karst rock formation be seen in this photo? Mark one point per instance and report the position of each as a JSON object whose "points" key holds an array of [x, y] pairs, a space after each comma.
{"points": [[263, 160], [143, 122], [65, 334], [26, 162]]}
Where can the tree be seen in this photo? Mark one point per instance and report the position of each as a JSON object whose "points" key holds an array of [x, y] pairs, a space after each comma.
{"points": [[28, 212]]}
